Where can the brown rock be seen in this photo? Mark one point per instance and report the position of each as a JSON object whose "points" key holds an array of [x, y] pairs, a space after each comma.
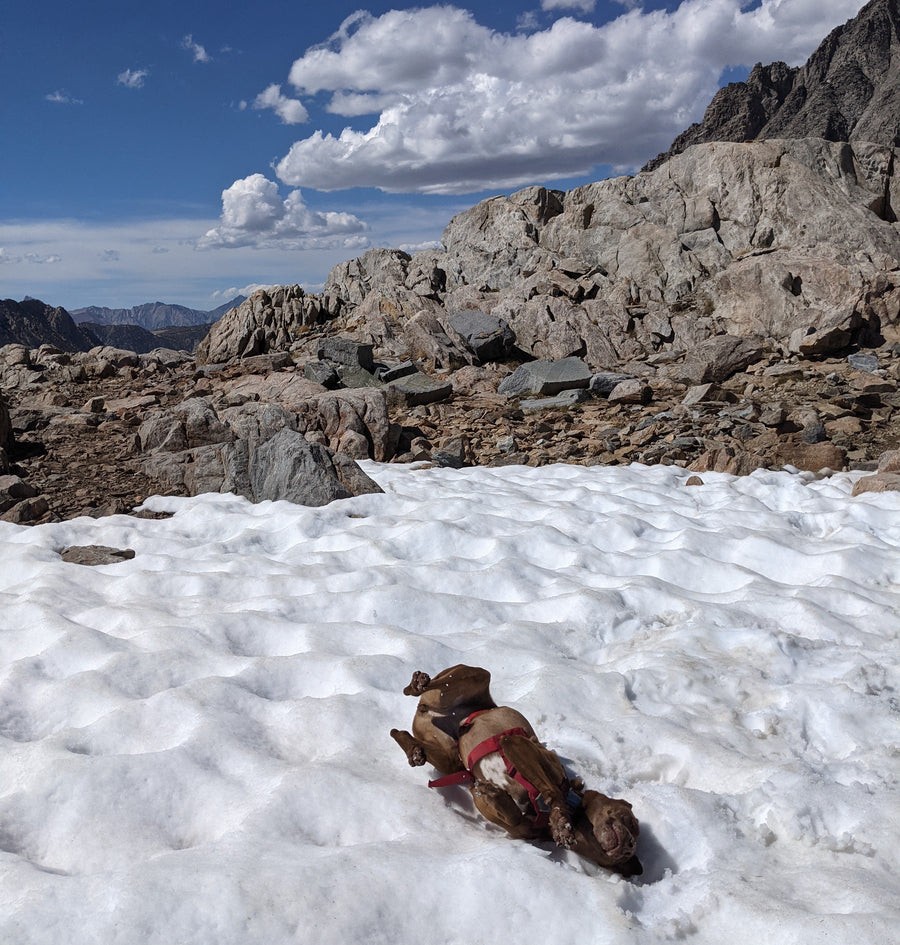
{"points": [[880, 482], [727, 460], [811, 456], [93, 555], [633, 391], [889, 462]]}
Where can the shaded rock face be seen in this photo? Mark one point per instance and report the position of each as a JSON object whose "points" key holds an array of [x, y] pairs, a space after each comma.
{"points": [[849, 90], [33, 323]]}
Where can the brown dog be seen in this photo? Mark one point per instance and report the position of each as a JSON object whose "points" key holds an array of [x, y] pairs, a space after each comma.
{"points": [[515, 782]]}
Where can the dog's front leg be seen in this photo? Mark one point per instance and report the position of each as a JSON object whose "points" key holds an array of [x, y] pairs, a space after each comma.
{"points": [[415, 751]]}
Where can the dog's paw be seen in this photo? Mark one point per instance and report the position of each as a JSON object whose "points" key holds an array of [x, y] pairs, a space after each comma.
{"points": [[561, 828], [416, 756], [418, 684]]}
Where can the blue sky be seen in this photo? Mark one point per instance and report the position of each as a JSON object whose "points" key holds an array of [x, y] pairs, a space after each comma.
{"points": [[184, 150]]}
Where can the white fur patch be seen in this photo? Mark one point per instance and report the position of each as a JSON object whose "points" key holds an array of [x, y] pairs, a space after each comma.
{"points": [[492, 768]]}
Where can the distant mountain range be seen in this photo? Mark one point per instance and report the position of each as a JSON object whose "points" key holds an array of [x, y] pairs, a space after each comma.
{"points": [[849, 90], [153, 315], [142, 328]]}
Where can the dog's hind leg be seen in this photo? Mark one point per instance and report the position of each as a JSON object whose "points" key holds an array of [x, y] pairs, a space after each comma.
{"points": [[544, 770], [499, 808]]}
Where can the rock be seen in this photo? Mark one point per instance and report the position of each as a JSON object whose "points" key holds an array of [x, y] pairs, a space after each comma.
{"points": [[269, 320], [811, 456], [487, 337], [427, 340], [322, 373], [13, 490], [693, 481], [393, 372], [5, 424], [707, 393], [332, 413], [26, 511], [863, 362], [880, 482], [718, 358], [93, 555], [415, 389], [354, 377], [565, 398], [809, 342], [345, 351], [727, 460], [889, 462], [546, 377], [603, 382], [634, 391], [288, 467]]}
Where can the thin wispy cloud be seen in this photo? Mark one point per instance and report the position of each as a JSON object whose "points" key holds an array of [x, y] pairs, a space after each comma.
{"points": [[61, 97], [585, 6], [132, 78], [196, 50]]}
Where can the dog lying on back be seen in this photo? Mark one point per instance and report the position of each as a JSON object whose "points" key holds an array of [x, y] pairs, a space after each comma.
{"points": [[515, 782]]}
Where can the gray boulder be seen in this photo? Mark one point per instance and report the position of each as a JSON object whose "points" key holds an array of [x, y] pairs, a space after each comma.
{"points": [[415, 389], [488, 338], [347, 352], [288, 467], [260, 454], [546, 377]]}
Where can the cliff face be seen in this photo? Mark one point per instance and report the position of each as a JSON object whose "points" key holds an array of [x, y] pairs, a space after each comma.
{"points": [[849, 90]]}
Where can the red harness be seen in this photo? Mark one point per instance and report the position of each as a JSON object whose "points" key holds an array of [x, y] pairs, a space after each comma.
{"points": [[481, 750]]}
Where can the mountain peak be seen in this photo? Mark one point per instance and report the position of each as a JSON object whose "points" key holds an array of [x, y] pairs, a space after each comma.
{"points": [[848, 90]]}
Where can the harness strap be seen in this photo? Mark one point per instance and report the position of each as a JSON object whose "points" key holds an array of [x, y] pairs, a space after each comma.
{"points": [[482, 750]]}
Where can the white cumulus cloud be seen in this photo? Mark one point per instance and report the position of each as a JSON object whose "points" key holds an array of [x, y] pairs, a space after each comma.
{"points": [[132, 78], [254, 214], [289, 110], [474, 108]]}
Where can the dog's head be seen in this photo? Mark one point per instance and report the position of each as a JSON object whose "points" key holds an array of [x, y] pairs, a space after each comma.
{"points": [[606, 832]]}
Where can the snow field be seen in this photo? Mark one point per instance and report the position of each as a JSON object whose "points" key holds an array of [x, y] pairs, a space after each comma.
{"points": [[194, 743]]}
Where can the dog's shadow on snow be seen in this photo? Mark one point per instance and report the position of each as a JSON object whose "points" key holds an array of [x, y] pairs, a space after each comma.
{"points": [[654, 857]]}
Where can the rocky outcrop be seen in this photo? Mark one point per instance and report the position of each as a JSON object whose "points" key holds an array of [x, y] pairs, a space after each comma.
{"points": [[787, 242], [255, 450], [268, 320], [847, 91], [33, 323]]}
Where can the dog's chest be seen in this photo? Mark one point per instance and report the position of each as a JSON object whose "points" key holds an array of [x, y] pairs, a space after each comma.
{"points": [[492, 768]]}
